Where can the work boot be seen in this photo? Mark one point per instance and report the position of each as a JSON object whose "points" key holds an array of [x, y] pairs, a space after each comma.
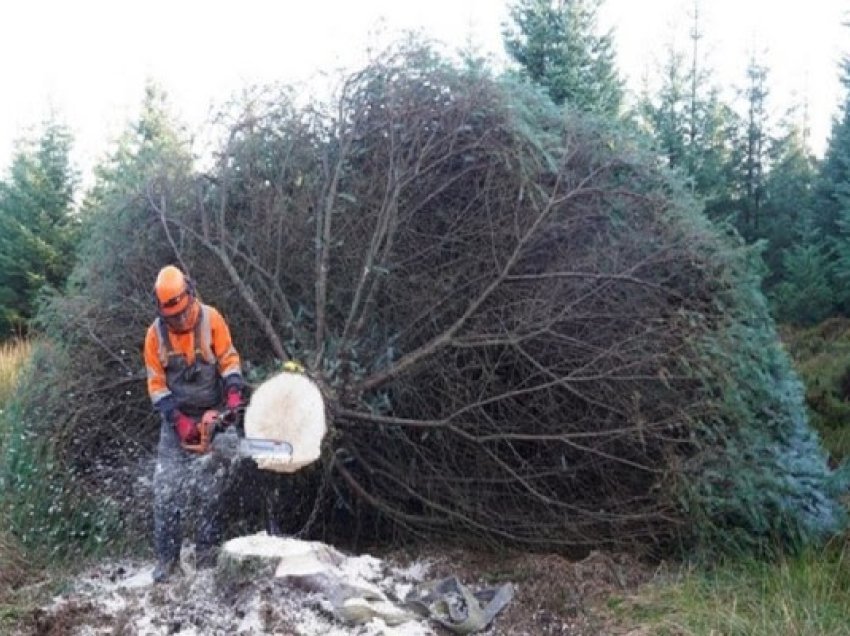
{"points": [[163, 570]]}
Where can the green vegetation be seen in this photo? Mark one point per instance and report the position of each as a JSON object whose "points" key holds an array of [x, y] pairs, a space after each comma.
{"points": [[49, 518], [52, 513], [822, 357], [805, 595], [38, 229], [50, 523], [557, 47], [15, 567]]}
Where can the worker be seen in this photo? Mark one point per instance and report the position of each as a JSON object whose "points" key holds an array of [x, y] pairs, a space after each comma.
{"points": [[192, 366]]}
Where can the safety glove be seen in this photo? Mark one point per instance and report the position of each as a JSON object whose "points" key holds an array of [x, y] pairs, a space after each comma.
{"points": [[233, 403], [234, 399], [187, 428]]}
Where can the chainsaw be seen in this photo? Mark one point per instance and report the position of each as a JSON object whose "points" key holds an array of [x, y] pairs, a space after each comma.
{"points": [[218, 432]]}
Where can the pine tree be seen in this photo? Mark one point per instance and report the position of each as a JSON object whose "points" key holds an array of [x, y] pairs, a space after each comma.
{"points": [[788, 196], [666, 117], [833, 192], [806, 295], [38, 227], [148, 144], [754, 147], [691, 125], [146, 173], [556, 45]]}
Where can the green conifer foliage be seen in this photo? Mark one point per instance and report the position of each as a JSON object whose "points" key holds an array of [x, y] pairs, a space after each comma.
{"points": [[693, 129], [834, 182], [806, 295], [789, 198], [556, 45], [48, 458], [38, 228]]}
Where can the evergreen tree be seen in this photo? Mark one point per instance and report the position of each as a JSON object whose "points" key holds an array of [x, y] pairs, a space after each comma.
{"points": [[788, 196], [806, 295], [666, 117], [149, 145], [556, 45], [38, 228], [833, 196], [691, 126], [147, 172], [754, 147]]}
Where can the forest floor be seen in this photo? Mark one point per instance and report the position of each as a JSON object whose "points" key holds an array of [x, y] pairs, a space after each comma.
{"points": [[553, 595]]}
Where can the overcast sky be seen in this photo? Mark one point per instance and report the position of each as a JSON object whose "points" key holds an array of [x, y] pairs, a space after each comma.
{"points": [[89, 59]]}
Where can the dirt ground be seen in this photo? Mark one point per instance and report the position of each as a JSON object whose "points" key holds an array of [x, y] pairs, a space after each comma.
{"points": [[553, 595]]}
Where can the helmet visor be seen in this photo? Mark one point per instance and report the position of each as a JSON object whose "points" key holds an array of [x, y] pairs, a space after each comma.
{"points": [[175, 305]]}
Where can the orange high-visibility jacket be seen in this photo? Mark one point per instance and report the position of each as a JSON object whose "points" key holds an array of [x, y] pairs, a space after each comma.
{"points": [[215, 346]]}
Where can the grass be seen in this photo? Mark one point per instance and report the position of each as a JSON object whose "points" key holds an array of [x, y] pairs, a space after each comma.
{"points": [[821, 355], [803, 595], [12, 357], [15, 568]]}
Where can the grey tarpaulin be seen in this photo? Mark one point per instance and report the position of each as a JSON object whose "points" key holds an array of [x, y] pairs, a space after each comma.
{"points": [[455, 607]]}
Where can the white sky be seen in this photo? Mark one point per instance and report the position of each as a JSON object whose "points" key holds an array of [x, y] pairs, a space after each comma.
{"points": [[89, 59]]}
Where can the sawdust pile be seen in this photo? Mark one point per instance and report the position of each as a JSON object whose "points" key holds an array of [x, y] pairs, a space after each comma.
{"points": [[120, 598], [555, 596]]}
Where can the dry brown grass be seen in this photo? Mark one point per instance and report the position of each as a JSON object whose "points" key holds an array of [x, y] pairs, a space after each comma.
{"points": [[12, 357]]}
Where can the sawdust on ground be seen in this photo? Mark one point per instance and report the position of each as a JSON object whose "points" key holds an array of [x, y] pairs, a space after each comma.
{"points": [[554, 595]]}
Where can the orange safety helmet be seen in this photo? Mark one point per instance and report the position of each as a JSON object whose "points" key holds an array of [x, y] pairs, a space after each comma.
{"points": [[175, 297]]}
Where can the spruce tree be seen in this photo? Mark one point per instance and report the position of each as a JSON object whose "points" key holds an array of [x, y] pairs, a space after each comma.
{"points": [[806, 295], [38, 227], [692, 126], [524, 341], [788, 197], [833, 194], [831, 208], [556, 45], [754, 146]]}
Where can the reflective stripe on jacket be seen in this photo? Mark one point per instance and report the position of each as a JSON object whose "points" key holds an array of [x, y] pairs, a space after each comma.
{"points": [[214, 346]]}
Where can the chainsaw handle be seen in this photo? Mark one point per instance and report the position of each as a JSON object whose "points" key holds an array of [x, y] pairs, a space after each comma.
{"points": [[214, 421], [210, 423]]}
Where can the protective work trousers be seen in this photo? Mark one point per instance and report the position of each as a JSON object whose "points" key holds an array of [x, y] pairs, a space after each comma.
{"points": [[187, 490]]}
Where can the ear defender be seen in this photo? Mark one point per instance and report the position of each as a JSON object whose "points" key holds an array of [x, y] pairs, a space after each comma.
{"points": [[155, 301]]}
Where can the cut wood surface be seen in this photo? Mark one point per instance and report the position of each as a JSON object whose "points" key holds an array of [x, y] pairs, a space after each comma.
{"points": [[287, 407], [347, 583]]}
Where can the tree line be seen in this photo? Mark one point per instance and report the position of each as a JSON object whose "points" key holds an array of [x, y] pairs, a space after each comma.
{"points": [[756, 177]]}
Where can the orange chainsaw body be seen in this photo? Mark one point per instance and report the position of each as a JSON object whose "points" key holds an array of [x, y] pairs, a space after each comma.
{"points": [[206, 428]]}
